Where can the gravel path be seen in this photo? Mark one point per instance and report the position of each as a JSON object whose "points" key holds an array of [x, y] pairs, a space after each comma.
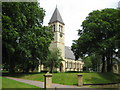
{"points": [[31, 82], [41, 84]]}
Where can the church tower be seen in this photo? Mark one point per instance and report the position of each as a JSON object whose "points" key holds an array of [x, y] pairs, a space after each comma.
{"points": [[57, 25]]}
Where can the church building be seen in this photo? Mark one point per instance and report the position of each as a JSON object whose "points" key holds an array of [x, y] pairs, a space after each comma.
{"points": [[69, 63]]}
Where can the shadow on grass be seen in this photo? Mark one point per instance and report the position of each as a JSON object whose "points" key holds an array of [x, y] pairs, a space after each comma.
{"points": [[75, 84], [112, 77], [19, 74], [104, 78]]}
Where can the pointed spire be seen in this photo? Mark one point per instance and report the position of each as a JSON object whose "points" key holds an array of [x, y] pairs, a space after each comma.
{"points": [[56, 17], [56, 5]]}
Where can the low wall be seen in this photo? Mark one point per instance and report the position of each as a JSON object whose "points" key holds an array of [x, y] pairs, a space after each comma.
{"points": [[107, 85]]}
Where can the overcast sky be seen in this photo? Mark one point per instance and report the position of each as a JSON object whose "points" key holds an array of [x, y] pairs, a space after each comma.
{"points": [[73, 12]]}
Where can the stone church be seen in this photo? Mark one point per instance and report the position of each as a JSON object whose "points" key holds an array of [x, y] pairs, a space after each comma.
{"points": [[69, 63]]}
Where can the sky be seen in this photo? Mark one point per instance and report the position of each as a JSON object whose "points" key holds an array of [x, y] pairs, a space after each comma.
{"points": [[73, 13]]}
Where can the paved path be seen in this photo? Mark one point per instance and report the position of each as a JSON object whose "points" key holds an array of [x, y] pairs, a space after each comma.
{"points": [[41, 84]]}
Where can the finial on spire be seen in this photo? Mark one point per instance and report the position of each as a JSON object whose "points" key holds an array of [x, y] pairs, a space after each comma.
{"points": [[56, 5]]}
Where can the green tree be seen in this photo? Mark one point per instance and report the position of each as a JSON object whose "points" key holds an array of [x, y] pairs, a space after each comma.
{"points": [[53, 60], [96, 62], [99, 34], [25, 40], [92, 62], [87, 63]]}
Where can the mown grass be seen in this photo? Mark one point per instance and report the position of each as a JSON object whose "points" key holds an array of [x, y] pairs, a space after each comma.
{"points": [[71, 78], [101, 78], [8, 83]]}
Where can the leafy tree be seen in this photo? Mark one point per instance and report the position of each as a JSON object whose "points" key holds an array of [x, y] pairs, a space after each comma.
{"points": [[99, 34], [53, 60], [96, 62], [92, 62], [25, 40], [87, 63], [75, 49]]}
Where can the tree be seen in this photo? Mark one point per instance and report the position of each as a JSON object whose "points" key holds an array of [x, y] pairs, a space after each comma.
{"points": [[92, 62], [96, 62], [25, 40], [87, 63], [53, 60], [99, 34]]}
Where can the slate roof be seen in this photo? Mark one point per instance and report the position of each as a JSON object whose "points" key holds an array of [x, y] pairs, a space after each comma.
{"points": [[56, 17], [69, 53]]}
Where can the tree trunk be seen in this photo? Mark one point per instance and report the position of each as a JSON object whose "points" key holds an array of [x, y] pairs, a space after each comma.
{"points": [[103, 63], [12, 68], [11, 64], [52, 69], [109, 63], [27, 69]]}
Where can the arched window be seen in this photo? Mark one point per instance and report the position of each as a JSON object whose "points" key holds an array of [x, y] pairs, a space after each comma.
{"points": [[53, 28], [60, 28], [66, 64], [77, 65], [71, 65], [80, 67]]}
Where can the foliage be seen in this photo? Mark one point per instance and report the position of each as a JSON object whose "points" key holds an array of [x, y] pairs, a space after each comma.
{"points": [[99, 34], [96, 62], [53, 59], [87, 63], [92, 63], [25, 40]]}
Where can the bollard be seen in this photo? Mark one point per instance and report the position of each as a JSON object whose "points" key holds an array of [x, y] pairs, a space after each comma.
{"points": [[80, 80], [48, 80]]}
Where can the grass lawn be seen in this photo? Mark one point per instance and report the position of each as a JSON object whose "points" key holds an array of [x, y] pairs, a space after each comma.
{"points": [[8, 83], [71, 78]]}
